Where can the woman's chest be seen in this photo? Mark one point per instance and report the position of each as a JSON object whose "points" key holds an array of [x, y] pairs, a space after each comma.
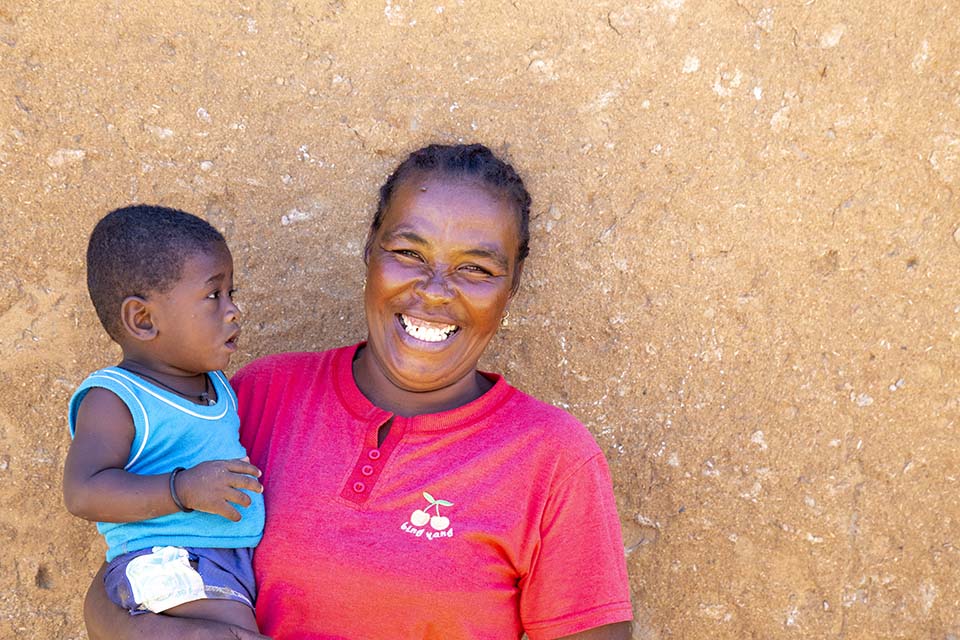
{"points": [[445, 497], [440, 523]]}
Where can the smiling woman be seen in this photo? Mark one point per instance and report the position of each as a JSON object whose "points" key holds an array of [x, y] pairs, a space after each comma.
{"points": [[410, 495], [440, 273]]}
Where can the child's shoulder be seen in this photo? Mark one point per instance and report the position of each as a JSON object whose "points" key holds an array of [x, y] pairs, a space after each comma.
{"points": [[105, 371], [112, 378], [120, 381], [104, 393], [100, 402]]}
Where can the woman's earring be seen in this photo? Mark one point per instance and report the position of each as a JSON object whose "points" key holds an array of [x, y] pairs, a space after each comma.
{"points": [[503, 321], [363, 285]]}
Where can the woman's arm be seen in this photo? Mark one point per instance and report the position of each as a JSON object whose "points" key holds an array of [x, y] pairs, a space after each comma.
{"points": [[616, 631], [107, 621], [579, 573]]}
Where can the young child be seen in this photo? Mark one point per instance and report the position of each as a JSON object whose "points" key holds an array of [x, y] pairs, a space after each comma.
{"points": [[156, 459]]}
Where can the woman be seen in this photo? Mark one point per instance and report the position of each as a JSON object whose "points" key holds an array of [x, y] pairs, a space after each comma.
{"points": [[408, 494]]}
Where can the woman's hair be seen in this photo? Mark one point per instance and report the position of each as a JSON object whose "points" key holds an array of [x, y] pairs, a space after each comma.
{"points": [[463, 161]]}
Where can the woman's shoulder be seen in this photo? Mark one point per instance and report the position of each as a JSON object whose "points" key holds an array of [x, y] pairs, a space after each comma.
{"points": [[553, 425]]}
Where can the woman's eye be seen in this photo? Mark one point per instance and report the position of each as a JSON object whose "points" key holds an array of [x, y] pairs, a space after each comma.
{"points": [[408, 253], [477, 269]]}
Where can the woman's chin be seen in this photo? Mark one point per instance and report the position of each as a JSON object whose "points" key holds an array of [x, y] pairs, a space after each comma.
{"points": [[421, 371], [422, 377]]}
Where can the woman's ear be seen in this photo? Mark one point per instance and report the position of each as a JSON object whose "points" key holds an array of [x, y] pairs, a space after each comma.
{"points": [[515, 284], [136, 319], [367, 247]]}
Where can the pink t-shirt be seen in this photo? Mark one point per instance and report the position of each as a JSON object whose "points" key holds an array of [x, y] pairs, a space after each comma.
{"points": [[487, 521]]}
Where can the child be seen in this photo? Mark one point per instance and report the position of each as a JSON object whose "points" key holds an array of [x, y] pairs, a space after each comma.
{"points": [[156, 459]]}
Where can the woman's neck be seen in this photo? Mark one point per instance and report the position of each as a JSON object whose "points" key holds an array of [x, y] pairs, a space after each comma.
{"points": [[383, 393]]}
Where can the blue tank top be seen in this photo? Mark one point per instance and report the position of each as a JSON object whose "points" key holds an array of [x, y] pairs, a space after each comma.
{"points": [[172, 432]]}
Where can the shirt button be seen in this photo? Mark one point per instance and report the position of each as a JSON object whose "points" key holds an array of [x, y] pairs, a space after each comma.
{"points": [[373, 454], [359, 487], [366, 470]]}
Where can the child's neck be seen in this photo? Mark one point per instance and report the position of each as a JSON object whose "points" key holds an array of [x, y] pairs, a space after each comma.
{"points": [[135, 357], [191, 385], [158, 369]]}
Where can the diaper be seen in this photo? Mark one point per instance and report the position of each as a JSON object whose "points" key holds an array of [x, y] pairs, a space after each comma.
{"points": [[161, 578], [164, 579]]}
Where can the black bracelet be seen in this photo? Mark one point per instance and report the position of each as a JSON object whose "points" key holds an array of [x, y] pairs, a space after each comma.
{"points": [[173, 490]]}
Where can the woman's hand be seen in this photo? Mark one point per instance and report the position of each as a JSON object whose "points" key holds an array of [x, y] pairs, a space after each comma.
{"points": [[107, 621]]}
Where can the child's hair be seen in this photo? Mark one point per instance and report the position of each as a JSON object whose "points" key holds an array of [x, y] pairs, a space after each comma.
{"points": [[463, 161], [138, 250]]}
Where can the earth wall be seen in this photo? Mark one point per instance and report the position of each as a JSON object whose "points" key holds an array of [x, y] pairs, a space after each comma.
{"points": [[742, 278]]}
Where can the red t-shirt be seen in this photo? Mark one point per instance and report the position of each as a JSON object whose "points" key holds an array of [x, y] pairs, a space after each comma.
{"points": [[487, 521]]}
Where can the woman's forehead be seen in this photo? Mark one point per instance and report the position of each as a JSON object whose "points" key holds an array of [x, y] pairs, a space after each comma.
{"points": [[448, 202], [463, 222]]}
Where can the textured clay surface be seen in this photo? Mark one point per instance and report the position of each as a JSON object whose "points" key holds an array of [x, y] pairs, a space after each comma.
{"points": [[742, 280]]}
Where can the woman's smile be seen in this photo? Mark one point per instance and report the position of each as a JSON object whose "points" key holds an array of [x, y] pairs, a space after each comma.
{"points": [[426, 331]]}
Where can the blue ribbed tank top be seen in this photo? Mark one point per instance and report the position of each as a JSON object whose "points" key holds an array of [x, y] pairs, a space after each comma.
{"points": [[172, 432]]}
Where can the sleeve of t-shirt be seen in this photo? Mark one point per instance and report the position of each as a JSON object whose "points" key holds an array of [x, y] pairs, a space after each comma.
{"points": [[578, 577]]}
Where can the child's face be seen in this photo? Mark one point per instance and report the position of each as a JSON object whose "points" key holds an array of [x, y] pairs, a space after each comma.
{"points": [[197, 322]]}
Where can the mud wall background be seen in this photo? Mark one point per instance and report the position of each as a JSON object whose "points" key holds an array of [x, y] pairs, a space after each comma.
{"points": [[743, 275]]}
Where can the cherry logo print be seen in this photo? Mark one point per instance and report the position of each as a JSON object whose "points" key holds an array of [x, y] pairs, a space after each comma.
{"points": [[437, 522]]}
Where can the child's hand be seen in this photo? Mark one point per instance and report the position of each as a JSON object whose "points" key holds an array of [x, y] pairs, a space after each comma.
{"points": [[211, 486]]}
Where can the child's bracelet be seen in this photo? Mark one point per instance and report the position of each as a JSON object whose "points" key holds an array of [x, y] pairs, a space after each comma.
{"points": [[173, 491]]}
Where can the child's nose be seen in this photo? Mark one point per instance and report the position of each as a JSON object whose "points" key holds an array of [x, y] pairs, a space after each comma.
{"points": [[233, 311]]}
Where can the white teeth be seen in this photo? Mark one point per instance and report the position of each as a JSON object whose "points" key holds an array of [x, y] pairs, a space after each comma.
{"points": [[426, 331]]}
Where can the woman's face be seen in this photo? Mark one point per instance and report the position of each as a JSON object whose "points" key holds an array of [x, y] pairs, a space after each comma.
{"points": [[440, 271]]}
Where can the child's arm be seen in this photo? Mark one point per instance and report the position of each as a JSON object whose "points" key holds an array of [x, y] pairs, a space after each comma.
{"points": [[96, 487]]}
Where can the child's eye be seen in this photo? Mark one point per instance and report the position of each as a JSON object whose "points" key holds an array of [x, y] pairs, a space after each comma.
{"points": [[215, 295], [408, 253]]}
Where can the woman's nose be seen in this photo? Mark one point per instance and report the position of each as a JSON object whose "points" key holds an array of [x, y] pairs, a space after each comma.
{"points": [[435, 285]]}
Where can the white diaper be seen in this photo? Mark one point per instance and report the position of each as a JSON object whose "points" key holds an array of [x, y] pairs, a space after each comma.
{"points": [[164, 579]]}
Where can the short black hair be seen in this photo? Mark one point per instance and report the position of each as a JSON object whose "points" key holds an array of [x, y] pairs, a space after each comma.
{"points": [[466, 161], [138, 250]]}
